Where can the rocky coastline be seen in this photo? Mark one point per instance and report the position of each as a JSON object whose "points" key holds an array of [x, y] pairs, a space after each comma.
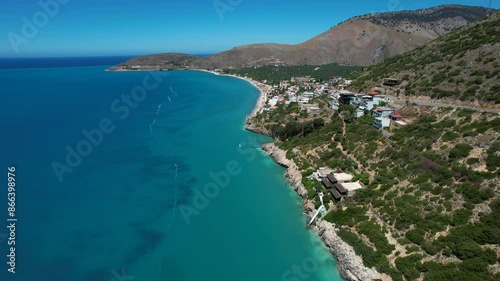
{"points": [[349, 264]]}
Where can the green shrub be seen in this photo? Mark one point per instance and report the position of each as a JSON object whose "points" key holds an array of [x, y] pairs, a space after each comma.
{"points": [[416, 236], [407, 266], [350, 216], [460, 150], [376, 235], [449, 136], [472, 161]]}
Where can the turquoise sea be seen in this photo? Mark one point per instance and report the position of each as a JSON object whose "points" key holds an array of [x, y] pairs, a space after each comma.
{"points": [[147, 177]]}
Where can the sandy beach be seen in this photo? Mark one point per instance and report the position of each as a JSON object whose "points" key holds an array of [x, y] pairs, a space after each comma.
{"points": [[263, 91]]}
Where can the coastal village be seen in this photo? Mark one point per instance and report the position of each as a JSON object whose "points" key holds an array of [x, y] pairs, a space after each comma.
{"points": [[307, 93], [318, 99], [355, 165]]}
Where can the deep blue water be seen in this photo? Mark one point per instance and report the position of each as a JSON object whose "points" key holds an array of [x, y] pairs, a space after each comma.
{"points": [[7, 63], [128, 197]]}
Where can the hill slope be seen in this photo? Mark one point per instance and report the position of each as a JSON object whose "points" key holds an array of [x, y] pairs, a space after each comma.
{"points": [[361, 40], [463, 65]]}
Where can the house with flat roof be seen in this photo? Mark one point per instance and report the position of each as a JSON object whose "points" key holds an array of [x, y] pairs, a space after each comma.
{"points": [[303, 100], [323, 172], [371, 101], [346, 97], [349, 187], [391, 82], [342, 177], [313, 109], [381, 122], [308, 95], [383, 111]]}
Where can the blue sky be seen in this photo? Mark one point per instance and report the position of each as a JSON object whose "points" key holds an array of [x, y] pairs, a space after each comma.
{"points": [[130, 27]]}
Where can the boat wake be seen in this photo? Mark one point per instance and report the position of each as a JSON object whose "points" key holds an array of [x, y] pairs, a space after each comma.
{"points": [[173, 92], [169, 225], [154, 121], [175, 202], [151, 132]]}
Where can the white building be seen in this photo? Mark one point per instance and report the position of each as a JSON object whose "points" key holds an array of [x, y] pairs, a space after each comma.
{"points": [[343, 177], [383, 111], [381, 122], [351, 187], [303, 100], [274, 100], [313, 109], [359, 112], [308, 95], [323, 172], [370, 102]]}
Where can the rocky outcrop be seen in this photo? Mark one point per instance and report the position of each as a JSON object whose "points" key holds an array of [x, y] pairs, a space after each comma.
{"points": [[350, 265], [293, 173], [256, 129]]}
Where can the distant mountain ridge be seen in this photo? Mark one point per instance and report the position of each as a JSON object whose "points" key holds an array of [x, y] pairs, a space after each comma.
{"points": [[426, 16], [362, 40]]}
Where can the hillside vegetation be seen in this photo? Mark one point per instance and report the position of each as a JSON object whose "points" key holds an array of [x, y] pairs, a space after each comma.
{"points": [[462, 65], [275, 74], [430, 209], [408, 21]]}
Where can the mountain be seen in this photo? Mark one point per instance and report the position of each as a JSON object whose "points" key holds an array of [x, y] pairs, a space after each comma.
{"points": [[362, 40], [462, 65]]}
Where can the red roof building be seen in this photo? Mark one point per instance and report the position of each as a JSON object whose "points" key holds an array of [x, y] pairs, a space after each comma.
{"points": [[395, 117]]}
